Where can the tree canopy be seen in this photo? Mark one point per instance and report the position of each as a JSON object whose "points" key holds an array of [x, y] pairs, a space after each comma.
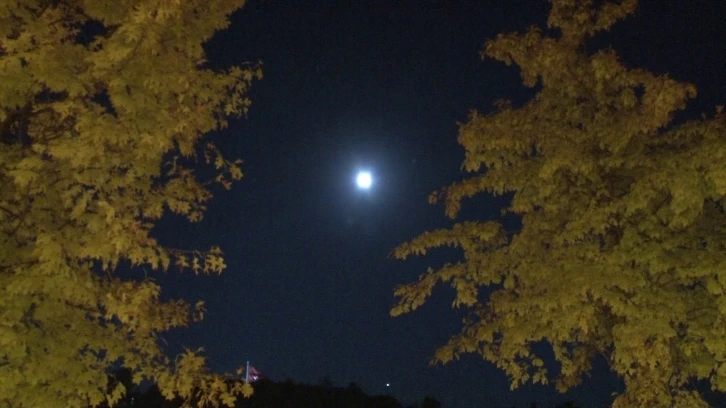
{"points": [[621, 249], [103, 109]]}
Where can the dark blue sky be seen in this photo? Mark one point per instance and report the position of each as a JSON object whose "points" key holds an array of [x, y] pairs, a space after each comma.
{"points": [[376, 84]]}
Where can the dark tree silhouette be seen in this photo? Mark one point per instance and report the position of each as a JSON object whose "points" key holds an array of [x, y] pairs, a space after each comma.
{"points": [[430, 402]]}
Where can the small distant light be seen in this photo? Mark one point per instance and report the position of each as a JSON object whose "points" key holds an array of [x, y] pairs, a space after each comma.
{"points": [[388, 384]]}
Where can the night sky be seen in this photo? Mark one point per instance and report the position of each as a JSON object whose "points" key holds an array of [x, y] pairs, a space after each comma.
{"points": [[376, 85]]}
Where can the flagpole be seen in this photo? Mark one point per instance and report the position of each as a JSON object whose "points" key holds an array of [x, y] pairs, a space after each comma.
{"points": [[247, 373]]}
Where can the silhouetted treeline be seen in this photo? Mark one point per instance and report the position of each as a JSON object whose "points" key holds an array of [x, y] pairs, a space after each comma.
{"points": [[288, 394], [268, 394]]}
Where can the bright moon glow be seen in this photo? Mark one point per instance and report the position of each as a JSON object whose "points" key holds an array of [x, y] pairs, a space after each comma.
{"points": [[364, 179]]}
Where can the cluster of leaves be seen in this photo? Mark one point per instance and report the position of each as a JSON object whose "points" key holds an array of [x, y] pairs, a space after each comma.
{"points": [[103, 106], [621, 252]]}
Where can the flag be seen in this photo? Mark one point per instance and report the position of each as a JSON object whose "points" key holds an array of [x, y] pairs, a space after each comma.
{"points": [[252, 374]]}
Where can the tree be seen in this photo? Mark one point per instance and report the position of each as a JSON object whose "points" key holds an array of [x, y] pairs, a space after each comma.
{"points": [[430, 402], [621, 249], [103, 109]]}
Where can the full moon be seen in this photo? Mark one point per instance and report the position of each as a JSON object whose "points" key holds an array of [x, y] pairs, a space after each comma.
{"points": [[364, 180]]}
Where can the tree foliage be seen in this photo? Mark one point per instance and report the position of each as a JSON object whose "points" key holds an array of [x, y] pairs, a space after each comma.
{"points": [[103, 108], [621, 250]]}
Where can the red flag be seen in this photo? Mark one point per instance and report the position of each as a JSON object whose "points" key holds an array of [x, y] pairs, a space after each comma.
{"points": [[253, 375]]}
